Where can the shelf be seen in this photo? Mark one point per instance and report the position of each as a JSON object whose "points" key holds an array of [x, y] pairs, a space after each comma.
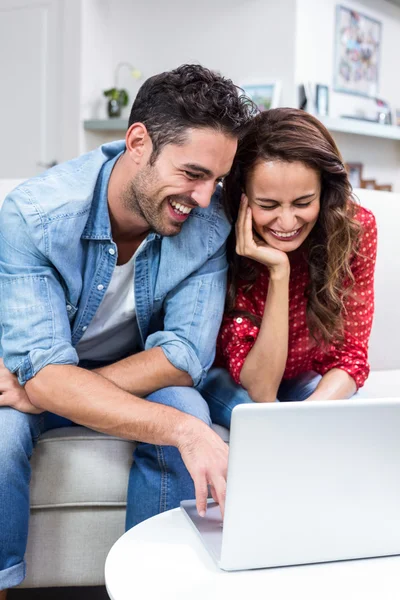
{"points": [[341, 125], [359, 127], [106, 125]]}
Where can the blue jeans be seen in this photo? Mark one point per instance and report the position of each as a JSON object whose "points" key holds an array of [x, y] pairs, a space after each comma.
{"points": [[223, 394], [19, 433], [158, 479]]}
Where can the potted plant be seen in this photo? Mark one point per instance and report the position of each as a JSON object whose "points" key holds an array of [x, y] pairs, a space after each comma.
{"points": [[117, 99]]}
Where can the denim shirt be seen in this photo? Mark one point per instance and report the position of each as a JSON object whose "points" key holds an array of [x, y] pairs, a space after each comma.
{"points": [[57, 256]]}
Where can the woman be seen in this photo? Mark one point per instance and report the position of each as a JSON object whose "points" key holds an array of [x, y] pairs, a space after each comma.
{"points": [[301, 267]]}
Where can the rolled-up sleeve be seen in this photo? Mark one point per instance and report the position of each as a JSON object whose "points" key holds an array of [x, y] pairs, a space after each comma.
{"points": [[237, 336], [192, 317], [35, 329]]}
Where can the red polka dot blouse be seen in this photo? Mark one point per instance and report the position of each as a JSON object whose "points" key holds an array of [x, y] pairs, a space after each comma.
{"points": [[238, 334]]}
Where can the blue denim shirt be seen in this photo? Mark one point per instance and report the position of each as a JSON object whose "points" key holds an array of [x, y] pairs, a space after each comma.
{"points": [[57, 256]]}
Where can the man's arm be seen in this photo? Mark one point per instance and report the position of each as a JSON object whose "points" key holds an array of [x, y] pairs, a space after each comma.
{"points": [[90, 400], [144, 373]]}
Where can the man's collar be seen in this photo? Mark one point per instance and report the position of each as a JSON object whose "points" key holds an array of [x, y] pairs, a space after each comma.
{"points": [[98, 226]]}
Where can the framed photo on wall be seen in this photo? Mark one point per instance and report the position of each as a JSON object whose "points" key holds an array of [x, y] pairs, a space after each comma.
{"points": [[357, 53], [322, 100], [368, 184], [354, 171], [264, 93]]}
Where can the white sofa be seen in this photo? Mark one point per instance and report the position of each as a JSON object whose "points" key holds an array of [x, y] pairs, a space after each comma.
{"points": [[79, 477], [384, 348]]}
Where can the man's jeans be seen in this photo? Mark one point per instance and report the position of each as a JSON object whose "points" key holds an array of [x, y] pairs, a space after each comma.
{"points": [[158, 480]]}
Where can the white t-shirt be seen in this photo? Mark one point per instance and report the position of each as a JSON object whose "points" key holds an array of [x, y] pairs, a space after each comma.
{"points": [[113, 331]]}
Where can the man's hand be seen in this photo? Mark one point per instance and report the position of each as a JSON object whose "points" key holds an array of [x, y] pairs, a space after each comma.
{"points": [[12, 394], [205, 455]]}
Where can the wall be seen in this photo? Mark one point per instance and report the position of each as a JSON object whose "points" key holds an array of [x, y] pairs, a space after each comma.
{"points": [[315, 27], [290, 40], [96, 64], [240, 38], [71, 85]]}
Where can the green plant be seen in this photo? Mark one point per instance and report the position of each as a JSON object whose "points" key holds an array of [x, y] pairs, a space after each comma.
{"points": [[120, 95]]}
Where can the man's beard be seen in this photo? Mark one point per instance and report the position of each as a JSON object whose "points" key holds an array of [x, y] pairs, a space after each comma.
{"points": [[139, 202]]}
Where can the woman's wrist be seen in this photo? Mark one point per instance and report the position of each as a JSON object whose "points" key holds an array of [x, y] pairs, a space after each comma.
{"points": [[279, 273]]}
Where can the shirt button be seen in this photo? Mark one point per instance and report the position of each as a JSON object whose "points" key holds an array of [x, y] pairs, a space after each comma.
{"points": [[84, 328], [100, 287], [69, 307], [239, 320], [111, 251]]}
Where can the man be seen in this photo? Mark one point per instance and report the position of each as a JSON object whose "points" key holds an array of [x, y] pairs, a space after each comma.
{"points": [[112, 286]]}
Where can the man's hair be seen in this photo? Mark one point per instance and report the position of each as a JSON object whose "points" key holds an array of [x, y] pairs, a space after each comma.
{"points": [[190, 96]]}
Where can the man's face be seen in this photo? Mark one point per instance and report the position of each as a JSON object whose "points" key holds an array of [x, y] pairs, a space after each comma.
{"points": [[182, 178]]}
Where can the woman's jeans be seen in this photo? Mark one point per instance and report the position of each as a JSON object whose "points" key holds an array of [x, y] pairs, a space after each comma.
{"points": [[158, 480], [223, 394]]}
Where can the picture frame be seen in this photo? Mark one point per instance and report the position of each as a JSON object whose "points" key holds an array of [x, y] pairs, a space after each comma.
{"points": [[384, 187], [368, 184], [265, 94], [322, 100], [357, 53], [354, 171]]}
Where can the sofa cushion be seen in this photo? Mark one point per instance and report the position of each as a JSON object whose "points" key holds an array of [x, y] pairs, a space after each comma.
{"points": [[69, 471], [384, 344], [382, 384], [68, 547]]}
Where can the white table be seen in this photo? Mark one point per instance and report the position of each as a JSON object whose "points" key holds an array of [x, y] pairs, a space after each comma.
{"points": [[163, 559]]}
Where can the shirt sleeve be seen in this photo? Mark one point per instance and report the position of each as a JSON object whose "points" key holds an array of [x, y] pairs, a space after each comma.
{"points": [[192, 317], [237, 336], [35, 328], [352, 354]]}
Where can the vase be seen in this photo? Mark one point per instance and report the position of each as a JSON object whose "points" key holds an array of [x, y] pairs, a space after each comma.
{"points": [[114, 109]]}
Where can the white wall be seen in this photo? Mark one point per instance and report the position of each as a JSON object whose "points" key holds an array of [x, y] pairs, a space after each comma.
{"points": [[290, 40], [96, 64], [315, 63], [71, 85], [239, 38]]}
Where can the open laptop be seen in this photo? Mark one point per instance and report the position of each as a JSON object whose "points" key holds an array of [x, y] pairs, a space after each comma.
{"points": [[307, 482]]}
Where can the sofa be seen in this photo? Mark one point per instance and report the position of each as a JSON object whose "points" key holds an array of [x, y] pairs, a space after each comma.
{"points": [[79, 477]]}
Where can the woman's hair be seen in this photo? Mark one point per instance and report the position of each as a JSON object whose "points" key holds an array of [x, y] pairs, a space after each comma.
{"points": [[289, 135]]}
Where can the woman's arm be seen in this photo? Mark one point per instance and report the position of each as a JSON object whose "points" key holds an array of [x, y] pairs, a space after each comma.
{"points": [[334, 385], [265, 364]]}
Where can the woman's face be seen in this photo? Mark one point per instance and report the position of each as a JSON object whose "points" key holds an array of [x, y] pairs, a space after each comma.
{"points": [[285, 202]]}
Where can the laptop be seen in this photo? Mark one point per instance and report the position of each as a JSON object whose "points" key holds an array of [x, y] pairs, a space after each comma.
{"points": [[307, 482]]}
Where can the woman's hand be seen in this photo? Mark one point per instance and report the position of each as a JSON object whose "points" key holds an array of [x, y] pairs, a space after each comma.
{"points": [[252, 246]]}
